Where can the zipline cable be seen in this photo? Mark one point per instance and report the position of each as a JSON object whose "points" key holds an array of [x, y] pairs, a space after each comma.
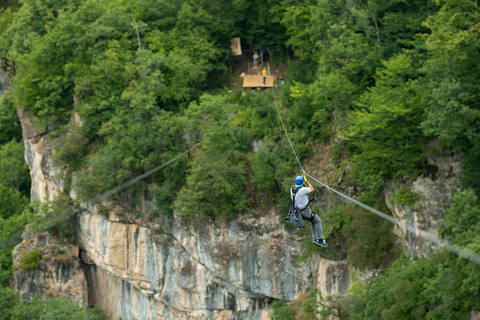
{"points": [[286, 133], [91, 202], [457, 249]]}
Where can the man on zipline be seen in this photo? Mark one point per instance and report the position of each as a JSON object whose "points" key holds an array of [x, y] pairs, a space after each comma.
{"points": [[300, 192]]}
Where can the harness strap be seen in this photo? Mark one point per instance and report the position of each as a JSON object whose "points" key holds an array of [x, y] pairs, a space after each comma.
{"points": [[312, 217], [294, 191]]}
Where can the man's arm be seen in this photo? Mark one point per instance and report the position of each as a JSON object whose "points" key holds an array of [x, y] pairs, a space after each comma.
{"points": [[309, 186]]}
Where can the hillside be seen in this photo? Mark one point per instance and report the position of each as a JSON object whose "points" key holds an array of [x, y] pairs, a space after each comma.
{"points": [[138, 177]]}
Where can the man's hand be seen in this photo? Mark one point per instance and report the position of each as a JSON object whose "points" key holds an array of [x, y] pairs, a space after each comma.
{"points": [[306, 183]]}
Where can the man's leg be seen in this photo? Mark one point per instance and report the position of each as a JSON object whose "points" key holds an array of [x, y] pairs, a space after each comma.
{"points": [[317, 230], [316, 223]]}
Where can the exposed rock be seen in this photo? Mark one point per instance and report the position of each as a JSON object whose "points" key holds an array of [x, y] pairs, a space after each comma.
{"points": [[209, 270], [256, 145], [5, 81], [58, 272], [46, 179], [434, 191]]}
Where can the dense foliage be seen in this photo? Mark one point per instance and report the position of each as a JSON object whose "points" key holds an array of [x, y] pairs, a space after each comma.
{"points": [[44, 308], [380, 80], [443, 286]]}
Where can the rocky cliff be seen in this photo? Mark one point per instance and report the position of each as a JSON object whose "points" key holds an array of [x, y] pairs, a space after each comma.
{"points": [[140, 265], [137, 264], [430, 194]]}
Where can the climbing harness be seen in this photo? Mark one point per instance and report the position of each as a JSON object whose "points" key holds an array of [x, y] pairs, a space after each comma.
{"points": [[295, 214], [294, 192]]}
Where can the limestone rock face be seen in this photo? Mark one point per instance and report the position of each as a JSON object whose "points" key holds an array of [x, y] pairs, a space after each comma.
{"points": [[46, 179], [58, 272], [161, 267], [204, 271], [434, 193], [5, 81]]}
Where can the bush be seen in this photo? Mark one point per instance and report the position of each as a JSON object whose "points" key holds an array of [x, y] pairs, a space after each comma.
{"points": [[29, 262], [70, 147], [215, 187], [405, 196], [315, 306], [54, 308], [10, 127], [281, 311], [14, 171], [360, 236], [370, 240], [55, 216], [8, 300], [12, 202]]}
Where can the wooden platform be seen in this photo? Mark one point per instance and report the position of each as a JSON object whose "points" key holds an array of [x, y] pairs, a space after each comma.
{"points": [[257, 81]]}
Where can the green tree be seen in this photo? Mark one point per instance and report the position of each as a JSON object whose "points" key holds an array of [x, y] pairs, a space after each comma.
{"points": [[10, 235], [315, 305], [262, 24], [14, 172], [12, 202], [385, 131], [462, 218], [8, 300], [215, 186], [451, 85], [217, 177], [10, 127], [54, 308]]}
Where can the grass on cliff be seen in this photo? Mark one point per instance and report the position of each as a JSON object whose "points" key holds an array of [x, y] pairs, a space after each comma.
{"points": [[309, 305], [29, 260]]}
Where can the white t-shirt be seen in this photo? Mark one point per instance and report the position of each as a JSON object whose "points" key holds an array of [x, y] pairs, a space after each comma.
{"points": [[301, 197]]}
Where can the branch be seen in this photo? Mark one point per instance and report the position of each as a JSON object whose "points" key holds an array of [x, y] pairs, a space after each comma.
{"points": [[377, 29], [134, 25]]}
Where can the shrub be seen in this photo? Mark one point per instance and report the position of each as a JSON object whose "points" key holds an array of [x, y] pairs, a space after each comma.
{"points": [[55, 216], [315, 306], [405, 196], [70, 147], [362, 237], [29, 262], [281, 311], [215, 186]]}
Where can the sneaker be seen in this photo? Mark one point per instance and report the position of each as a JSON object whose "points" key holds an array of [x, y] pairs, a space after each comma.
{"points": [[320, 243]]}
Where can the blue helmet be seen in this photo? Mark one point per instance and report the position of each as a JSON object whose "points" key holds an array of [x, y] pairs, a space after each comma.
{"points": [[299, 181]]}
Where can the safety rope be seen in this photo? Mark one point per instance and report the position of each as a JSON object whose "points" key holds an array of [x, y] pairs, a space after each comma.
{"points": [[459, 250], [286, 133]]}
